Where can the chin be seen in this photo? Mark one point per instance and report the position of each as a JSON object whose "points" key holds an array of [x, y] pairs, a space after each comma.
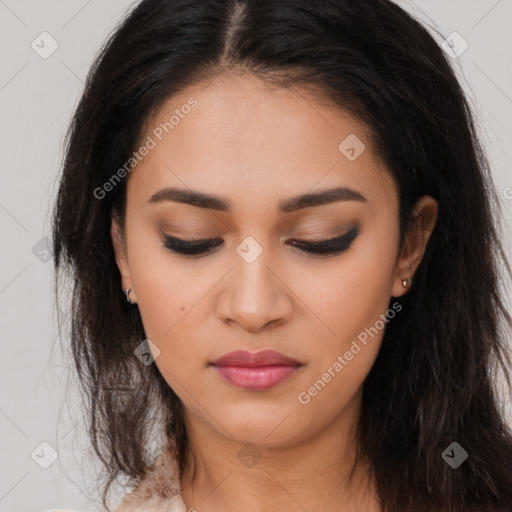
{"points": [[273, 426]]}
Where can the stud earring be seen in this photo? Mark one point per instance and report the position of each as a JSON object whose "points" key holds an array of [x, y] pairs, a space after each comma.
{"points": [[406, 282], [127, 295]]}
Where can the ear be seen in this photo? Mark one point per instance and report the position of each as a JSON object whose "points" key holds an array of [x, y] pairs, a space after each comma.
{"points": [[415, 243], [119, 245]]}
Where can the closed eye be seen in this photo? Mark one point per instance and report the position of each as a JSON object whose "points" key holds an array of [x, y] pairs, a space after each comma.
{"points": [[328, 247], [197, 248]]}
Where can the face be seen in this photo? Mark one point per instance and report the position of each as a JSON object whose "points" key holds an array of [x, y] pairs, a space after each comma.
{"points": [[257, 283]]}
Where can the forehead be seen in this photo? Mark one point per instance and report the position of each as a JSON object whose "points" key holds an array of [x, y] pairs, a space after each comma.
{"points": [[237, 137]]}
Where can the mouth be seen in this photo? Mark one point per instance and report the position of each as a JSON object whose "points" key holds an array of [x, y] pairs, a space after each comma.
{"points": [[255, 371]]}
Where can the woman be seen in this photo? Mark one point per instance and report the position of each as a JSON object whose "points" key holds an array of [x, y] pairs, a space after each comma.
{"points": [[281, 231]]}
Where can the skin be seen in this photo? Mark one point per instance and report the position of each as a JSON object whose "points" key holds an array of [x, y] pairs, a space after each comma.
{"points": [[255, 146]]}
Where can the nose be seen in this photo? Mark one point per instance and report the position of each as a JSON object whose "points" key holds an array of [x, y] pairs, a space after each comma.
{"points": [[255, 296]]}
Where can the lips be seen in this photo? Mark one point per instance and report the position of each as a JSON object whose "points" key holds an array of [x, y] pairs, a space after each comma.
{"points": [[254, 359], [255, 371]]}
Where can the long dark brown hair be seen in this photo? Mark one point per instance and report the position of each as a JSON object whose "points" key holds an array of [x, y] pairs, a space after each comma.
{"points": [[434, 381]]}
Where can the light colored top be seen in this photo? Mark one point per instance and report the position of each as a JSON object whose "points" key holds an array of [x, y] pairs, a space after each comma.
{"points": [[159, 490]]}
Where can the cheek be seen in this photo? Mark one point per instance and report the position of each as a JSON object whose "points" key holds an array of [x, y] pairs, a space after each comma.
{"points": [[353, 303], [173, 304], [163, 289], [166, 305], [354, 293]]}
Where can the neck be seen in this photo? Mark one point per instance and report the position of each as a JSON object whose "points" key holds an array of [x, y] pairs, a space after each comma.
{"points": [[313, 474]]}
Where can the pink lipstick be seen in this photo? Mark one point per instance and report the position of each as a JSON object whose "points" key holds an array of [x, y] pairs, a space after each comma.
{"points": [[255, 371]]}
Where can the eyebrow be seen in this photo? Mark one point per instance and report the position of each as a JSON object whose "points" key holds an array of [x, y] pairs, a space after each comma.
{"points": [[211, 202]]}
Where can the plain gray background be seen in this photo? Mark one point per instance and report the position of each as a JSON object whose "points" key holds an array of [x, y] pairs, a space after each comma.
{"points": [[37, 97]]}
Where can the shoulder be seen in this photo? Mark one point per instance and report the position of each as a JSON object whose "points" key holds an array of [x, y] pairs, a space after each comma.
{"points": [[159, 489]]}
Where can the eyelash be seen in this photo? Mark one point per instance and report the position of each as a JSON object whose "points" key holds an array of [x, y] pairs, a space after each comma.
{"points": [[198, 248]]}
